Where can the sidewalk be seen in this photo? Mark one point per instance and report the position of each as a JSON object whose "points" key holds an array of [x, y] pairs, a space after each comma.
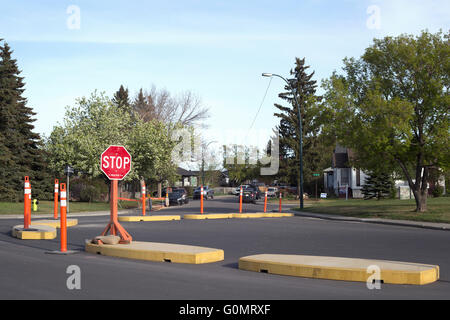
{"points": [[404, 223]]}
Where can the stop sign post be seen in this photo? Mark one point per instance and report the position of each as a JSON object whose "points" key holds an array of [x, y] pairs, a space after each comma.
{"points": [[115, 163]]}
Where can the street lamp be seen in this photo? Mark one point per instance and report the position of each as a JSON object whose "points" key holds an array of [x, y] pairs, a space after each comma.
{"points": [[269, 75]]}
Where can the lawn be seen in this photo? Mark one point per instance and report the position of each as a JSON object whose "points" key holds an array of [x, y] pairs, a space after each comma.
{"points": [[47, 207], [438, 209]]}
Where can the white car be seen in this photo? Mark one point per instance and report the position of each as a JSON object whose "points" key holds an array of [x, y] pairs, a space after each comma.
{"points": [[237, 191], [272, 192]]}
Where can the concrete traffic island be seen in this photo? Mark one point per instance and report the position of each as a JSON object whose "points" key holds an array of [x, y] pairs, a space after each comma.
{"points": [[334, 268], [235, 215], [35, 232], [55, 223], [261, 215], [208, 216], [148, 218], [162, 252]]}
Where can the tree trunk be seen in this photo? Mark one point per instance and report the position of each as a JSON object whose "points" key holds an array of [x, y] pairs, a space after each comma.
{"points": [[421, 201], [419, 188]]}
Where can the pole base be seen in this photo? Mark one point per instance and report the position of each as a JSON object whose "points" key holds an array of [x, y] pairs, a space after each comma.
{"points": [[58, 252]]}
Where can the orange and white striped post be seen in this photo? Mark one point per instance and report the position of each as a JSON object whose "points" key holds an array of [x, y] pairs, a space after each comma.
{"points": [[143, 191], [55, 201], [240, 200], [201, 199], [265, 201], [63, 218], [27, 204], [279, 209]]}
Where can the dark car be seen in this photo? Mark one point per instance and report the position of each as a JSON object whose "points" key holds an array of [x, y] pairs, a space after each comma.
{"points": [[208, 193], [250, 194], [178, 197]]}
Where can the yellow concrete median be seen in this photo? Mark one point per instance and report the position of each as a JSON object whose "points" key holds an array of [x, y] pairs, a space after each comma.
{"points": [[163, 252], [35, 232], [208, 216], [148, 218], [334, 268], [54, 223]]}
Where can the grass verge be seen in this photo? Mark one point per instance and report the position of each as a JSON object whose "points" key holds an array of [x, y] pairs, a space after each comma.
{"points": [[438, 209]]}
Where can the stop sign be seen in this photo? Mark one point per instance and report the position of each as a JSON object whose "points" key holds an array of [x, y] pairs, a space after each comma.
{"points": [[115, 162]]}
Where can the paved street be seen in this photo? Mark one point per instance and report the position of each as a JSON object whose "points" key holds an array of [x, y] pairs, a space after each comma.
{"points": [[28, 272]]}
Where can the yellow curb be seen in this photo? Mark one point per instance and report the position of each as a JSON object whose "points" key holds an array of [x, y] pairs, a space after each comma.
{"points": [[54, 223], [208, 216], [334, 268], [163, 252], [278, 215], [39, 232], [148, 218], [248, 215]]}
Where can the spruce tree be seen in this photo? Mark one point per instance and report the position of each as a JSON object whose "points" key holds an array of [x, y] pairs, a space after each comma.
{"points": [[315, 154], [19, 145], [121, 99], [378, 185]]}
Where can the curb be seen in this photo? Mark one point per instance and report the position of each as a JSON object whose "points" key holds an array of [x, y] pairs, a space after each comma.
{"points": [[402, 223]]}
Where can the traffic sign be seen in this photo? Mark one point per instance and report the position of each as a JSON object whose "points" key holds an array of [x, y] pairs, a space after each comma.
{"points": [[115, 162]]}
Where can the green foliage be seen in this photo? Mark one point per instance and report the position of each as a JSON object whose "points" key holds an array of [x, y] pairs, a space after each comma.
{"points": [[378, 185], [316, 150], [96, 123], [391, 107], [20, 148]]}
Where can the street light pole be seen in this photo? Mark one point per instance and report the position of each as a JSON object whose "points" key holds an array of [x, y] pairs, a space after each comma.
{"points": [[299, 116]]}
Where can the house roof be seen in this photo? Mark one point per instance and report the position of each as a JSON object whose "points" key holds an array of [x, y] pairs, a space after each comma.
{"points": [[187, 173], [340, 160]]}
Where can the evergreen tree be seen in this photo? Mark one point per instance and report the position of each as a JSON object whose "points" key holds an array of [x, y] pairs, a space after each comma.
{"points": [[121, 99], [19, 145], [378, 185], [315, 153]]}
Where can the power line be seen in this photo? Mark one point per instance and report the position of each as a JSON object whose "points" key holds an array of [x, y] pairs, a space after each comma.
{"points": [[259, 109]]}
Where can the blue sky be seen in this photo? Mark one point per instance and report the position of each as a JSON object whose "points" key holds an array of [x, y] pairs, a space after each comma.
{"points": [[217, 49]]}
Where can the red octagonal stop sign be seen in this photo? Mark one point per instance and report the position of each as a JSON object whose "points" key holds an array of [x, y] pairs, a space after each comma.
{"points": [[115, 162]]}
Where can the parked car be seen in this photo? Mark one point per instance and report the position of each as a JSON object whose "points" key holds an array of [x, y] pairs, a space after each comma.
{"points": [[208, 193], [250, 194], [272, 192], [237, 191], [178, 197]]}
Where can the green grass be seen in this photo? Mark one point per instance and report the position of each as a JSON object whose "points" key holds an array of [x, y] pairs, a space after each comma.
{"points": [[47, 207], [438, 209]]}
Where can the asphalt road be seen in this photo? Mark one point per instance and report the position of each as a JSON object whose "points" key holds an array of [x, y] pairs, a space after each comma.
{"points": [[27, 272]]}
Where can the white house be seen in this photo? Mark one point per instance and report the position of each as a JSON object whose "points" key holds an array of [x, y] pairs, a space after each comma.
{"points": [[341, 177]]}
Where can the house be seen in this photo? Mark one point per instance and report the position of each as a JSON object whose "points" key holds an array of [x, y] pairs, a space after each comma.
{"points": [[344, 180], [341, 177], [188, 178]]}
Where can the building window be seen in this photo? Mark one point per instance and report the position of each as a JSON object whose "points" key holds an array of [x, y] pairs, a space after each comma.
{"points": [[358, 177], [344, 176]]}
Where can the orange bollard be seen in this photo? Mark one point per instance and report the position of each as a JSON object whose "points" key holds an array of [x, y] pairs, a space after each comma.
{"points": [[201, 199], [240, 200], [63, 218], [55, 202], [27, 204], [265, 201], [143, 197], [279, 209]]}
